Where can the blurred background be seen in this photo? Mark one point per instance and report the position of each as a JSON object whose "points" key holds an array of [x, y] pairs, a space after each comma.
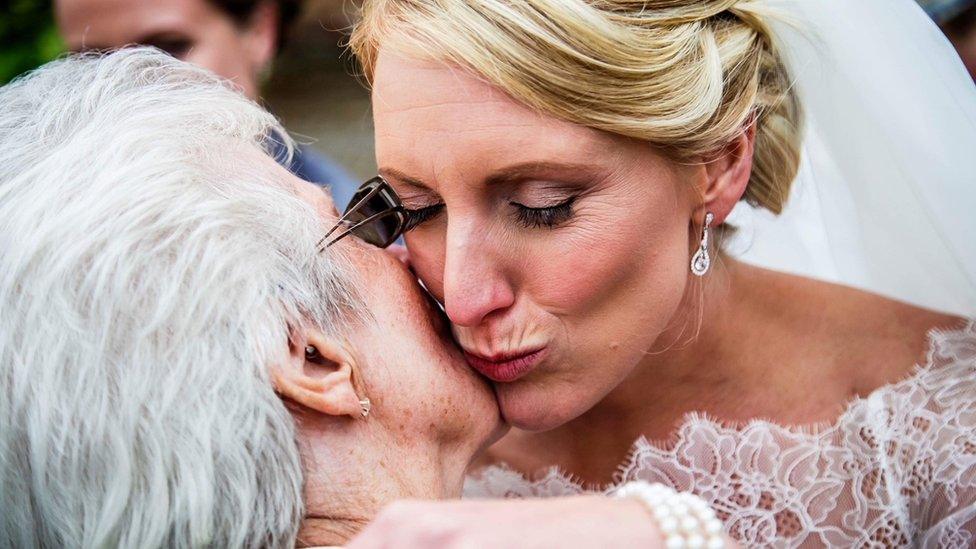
{"points": [[314, 88], [312, 85]]}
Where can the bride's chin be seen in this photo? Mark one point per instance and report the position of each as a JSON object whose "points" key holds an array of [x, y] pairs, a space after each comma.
{"points": [[527, 406]]}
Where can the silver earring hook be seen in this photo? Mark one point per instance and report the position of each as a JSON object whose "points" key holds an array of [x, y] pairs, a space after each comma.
{"points": [[701, 261]]}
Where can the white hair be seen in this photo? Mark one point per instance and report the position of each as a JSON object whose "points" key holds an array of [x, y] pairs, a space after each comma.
{"points": [[148, 278]]}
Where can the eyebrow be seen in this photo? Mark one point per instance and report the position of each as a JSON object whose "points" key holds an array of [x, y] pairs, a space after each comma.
{"points": [[571, 172], [152, 38], [393, 173], [568, 171], [88, 48], [161, 37]]}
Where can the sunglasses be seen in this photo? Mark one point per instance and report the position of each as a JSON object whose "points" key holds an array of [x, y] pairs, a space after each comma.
{"points": [[374, 215]]}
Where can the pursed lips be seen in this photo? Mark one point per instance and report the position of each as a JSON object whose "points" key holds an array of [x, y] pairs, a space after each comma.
{"points": [[509, 366]]}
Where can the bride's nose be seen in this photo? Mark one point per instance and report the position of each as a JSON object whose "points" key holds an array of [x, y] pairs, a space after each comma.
{"points": [[475, 287]]}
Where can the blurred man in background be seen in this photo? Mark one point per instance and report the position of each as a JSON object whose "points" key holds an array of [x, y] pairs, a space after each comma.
{"points": [[236, 39], [957, 18]]}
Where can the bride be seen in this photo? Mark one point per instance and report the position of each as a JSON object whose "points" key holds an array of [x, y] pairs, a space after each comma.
{"points": [[569, 171]]}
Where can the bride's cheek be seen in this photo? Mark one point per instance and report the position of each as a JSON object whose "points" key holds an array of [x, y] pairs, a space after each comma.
{"points": [[426, 261]]}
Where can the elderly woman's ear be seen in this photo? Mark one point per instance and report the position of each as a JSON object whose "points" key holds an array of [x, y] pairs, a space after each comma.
{"points": [[318, 375]]}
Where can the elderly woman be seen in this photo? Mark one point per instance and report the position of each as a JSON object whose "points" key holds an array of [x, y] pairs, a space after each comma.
{"points": [[157, 271]]}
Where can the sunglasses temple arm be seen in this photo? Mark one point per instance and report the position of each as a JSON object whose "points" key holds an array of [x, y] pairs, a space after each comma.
{"points": [[353, 228], [370, 194]]}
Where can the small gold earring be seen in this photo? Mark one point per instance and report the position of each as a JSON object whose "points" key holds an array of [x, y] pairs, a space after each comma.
{"points": [[366, 407]]}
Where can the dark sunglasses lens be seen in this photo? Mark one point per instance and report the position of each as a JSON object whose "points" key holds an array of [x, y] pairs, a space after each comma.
{"points": [[381, 231], [387, 222], [376, 203]]}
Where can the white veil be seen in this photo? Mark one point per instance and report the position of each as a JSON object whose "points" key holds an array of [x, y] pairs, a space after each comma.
{"points": [[886, 195]]}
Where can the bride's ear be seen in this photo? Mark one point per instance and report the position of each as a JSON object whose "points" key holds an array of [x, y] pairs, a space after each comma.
{"points": [[318, 375], [727, 175]]}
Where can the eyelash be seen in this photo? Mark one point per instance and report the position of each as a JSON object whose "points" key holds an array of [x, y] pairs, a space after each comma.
{"points": [[547, 217], [533, 218], [421, 215]]}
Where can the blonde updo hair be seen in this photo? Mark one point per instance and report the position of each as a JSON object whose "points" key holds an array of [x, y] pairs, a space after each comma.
{"points": [[688, 76]]}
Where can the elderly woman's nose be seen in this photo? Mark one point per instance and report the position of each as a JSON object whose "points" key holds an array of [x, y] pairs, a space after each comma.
{"points": [[474, 282]]}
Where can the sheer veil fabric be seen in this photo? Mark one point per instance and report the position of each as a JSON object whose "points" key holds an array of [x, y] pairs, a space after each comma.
{"points": [[886, 196]]}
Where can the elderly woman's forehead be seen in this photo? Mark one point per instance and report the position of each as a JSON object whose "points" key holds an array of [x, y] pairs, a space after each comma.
{"points": [[318, 196]]}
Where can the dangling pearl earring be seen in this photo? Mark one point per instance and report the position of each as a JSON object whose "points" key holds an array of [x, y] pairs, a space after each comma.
{"points": [[701, 260], [366, 407]]}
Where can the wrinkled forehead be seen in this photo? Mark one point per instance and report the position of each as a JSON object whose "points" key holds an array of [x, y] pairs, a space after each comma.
{"points": [[375, 267], [403, 82], [438, 123], [250, 161], [318, 196]]}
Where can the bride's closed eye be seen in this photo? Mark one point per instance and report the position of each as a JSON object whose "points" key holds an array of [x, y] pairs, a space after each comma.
{"points": [[535, 217], [532, 217], [420, 215]]}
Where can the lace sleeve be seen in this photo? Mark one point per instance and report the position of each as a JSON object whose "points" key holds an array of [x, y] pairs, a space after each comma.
{"points": [[955, 529], [942, 478], [948, 517]]}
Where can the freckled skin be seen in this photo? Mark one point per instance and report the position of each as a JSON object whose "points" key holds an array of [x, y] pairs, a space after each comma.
{"points": [[411, 370], [417, 367]]}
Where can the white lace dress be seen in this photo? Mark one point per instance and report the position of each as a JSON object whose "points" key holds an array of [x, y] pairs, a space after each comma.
{"points": [[898, 469]]}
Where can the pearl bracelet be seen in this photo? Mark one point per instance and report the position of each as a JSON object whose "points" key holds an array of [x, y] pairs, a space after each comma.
{"points": [[685, 520]]}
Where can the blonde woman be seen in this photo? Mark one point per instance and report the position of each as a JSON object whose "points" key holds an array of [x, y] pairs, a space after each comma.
{"points": [[569, 168]]}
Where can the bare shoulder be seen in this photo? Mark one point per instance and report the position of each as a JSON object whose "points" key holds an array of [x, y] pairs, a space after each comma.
{"points": [[886, 336]]}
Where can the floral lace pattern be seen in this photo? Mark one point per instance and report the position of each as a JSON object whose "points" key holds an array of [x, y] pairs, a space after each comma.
{"points": [[897, 469]]}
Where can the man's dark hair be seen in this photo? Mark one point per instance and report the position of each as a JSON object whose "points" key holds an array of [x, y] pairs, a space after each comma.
{"points": [[962, 23], [241, 10]]}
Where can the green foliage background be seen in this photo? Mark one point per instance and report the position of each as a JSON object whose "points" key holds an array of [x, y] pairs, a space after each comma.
{"points": [[28, 37]]}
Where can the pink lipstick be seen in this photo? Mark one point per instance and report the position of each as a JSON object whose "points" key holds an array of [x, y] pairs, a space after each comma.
{"points": [[506, 367]]}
